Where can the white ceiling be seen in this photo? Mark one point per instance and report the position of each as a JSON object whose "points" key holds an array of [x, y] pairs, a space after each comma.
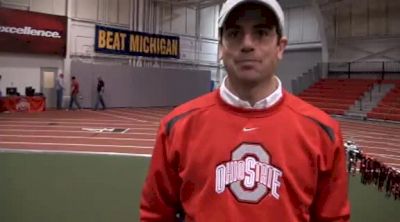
{"points": [[206, 3]]}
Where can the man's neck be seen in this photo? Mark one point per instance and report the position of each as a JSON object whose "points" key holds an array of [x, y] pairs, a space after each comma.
{"points": [[252, 93]]}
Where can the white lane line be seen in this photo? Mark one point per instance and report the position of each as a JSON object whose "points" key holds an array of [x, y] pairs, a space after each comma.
{"points": [[144, 111], [126, 130], [34, 123], [372, 143], [118, 116], [392, 157], [63, 126], [74, 137], [370, 133], [372, 136], [358, 124], [394, 164], [371, 126], [373, 123], [61, 119], [395, 150], [142, 114], [378, 143], [71, 131], [78, 144], [73, 123], [8, 150], [371, 139]]}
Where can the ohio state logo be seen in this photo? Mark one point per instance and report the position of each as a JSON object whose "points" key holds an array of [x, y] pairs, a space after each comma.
{"points": [[249, 175], [22, 105]]}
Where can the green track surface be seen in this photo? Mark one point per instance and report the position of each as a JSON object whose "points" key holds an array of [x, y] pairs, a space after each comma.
{"points": [[85, 188], [70, 188]]}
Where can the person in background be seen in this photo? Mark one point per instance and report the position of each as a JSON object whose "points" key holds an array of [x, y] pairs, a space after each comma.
{"points": [[74, 93], [60, 90], [249, 151], [0, 87], [100, 93], [212, 85]]}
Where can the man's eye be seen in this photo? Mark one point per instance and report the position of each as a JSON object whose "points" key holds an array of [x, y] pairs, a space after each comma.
{"points": [[262, 32], [232, 33]]}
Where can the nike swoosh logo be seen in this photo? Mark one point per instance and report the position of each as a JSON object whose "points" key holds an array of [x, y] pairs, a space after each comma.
{"points": [[249, 129]]}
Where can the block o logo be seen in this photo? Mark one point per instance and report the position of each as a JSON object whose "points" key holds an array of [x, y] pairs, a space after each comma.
{"points": [[249, 175]]}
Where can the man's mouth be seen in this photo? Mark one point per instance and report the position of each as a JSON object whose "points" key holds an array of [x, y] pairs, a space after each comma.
{"points": [[247, 60], [247, 63]]}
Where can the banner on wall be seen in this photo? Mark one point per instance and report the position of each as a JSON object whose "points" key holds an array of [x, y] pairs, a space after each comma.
{"points": [[123, 42], [22, 104], [32, 32]]}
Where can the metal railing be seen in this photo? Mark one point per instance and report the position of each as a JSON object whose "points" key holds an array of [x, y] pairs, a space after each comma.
{"points": [[376, 70]]}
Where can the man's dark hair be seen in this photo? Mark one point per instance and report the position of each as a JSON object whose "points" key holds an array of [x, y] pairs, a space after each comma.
{"points": [[73, 77]]}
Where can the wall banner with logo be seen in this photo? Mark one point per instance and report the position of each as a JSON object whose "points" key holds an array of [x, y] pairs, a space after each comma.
{"points": [[123, 42], [32, 32]]}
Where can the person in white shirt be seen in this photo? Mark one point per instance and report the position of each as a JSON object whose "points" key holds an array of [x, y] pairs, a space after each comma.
{"points": [[60, 90]]}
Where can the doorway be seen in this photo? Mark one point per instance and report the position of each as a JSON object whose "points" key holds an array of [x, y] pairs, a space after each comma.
{"points": [[48, 76]]}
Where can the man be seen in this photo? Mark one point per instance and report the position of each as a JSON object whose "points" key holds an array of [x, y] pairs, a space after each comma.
{"points": [[0, 87], [100, 93], [249, 151], [389, 182], [74, 93], [60, 90], [382, 176], [363, 170]]}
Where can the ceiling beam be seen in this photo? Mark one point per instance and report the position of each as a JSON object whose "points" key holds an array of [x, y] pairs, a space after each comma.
{"points": [[191, 3], [370, 54], [339, 4]]}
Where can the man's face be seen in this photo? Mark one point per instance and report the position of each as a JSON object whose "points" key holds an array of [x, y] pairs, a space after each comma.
{"points": [[249, 45]]}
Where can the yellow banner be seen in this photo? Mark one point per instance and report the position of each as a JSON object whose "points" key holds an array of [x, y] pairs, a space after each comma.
{"points": [[118, 41]]}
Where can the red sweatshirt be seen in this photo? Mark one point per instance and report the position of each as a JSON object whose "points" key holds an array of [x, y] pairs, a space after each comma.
{"points": [[216, 162], [74, 87]]}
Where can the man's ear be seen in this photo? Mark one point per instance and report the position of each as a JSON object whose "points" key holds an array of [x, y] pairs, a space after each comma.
{"points": [[219, 51], [281, 46], [220, 44]]}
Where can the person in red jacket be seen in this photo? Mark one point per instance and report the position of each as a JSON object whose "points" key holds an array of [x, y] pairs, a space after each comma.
{"points": [[74, 93], [249, 151]]}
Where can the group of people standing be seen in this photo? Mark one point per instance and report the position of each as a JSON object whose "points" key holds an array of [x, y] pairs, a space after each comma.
{"points": [[74, 96], [372, 171]]}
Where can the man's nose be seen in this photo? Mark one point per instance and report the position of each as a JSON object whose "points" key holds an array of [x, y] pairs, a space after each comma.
{"points": [[247, 43]]}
